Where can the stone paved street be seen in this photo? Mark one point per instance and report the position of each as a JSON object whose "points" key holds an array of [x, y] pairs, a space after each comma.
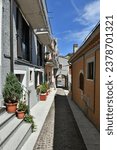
{"points": [[45, 140], [61, 125]]}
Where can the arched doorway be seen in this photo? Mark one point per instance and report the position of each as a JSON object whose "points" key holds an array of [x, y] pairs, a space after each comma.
{"points": [[61, 81]]}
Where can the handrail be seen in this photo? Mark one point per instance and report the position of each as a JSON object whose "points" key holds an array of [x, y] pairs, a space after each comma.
{"points": [[28, 92]]}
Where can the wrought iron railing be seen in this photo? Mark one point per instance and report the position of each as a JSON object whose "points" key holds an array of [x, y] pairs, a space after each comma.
{"points": [[26, 96]]}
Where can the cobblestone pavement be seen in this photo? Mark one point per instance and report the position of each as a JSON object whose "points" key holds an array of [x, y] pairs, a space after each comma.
{"points": [[60, 131], [45, 139]]}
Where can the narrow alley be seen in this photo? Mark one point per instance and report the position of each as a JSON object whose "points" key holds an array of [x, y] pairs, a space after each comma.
{"points": [[60, 131]]}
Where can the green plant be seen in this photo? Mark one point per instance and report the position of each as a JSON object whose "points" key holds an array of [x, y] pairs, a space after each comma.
{"points": [[22, 106], [29, 119], [47, 85], [43, 88], [12, 91]]}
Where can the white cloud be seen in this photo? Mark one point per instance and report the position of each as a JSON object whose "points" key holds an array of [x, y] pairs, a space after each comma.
{"points": [[90, 14], [88, 17], [78, 36]]}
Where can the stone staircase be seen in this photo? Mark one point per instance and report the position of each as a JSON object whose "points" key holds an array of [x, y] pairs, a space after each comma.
{"points": [[13, 132]]}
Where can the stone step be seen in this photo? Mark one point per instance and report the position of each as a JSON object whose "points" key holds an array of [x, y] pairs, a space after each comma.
{"points": [[5, 118], [2, 110], [18, 137], [8, 130]]}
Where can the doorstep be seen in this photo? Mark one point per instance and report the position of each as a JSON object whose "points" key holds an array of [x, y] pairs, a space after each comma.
{"points": [[39, 112]]}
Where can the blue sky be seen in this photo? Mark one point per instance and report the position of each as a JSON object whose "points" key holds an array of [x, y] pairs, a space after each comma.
{"points": [[72, 20]]}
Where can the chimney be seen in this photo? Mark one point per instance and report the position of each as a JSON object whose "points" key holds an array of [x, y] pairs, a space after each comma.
{"points": [[75, 47]]}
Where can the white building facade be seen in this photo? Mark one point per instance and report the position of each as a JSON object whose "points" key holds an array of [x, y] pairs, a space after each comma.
{"points": [[24, 34]]}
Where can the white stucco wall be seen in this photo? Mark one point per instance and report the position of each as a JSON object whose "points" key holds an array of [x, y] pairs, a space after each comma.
{"points": [[0, 46], [0, 29]]}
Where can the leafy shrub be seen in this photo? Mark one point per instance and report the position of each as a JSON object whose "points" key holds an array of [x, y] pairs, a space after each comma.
{"points": [[47, 85], [43, 88], [22, 106], [12, 91]]}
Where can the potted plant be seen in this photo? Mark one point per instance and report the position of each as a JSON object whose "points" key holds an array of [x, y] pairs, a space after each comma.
{"points": [[48, 88], [21, 110], [12, 92], [43, 91]]}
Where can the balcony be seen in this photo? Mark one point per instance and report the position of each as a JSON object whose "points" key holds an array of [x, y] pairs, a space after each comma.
{"points": [[49, 62], [35, 12]]}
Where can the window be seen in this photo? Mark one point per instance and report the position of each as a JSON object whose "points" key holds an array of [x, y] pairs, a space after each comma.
{"points": [[40, 77], [36, 79], [23, 38], [20, 77], [39, 54], [55, 71], [30, 75], [60, 66], [81, 81], [90, 70]]}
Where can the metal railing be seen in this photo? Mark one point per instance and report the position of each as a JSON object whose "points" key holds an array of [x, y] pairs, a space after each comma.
{"points": [[27, 92]]}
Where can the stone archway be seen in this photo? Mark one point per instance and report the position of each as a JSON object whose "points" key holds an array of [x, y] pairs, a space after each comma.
{"points": [[62, 81]]}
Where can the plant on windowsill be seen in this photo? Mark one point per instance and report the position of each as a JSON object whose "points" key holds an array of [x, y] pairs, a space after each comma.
{"points": [[43, 90], [21, 110], [12, 92]]}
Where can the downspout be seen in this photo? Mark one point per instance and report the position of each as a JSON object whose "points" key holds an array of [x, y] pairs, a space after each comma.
{"points": [[11, 37]]}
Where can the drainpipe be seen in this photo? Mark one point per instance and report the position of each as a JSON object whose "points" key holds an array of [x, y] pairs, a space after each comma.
{"points": [[11, 37]]}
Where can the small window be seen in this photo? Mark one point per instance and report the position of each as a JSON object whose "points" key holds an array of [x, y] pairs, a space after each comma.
{"points": [[90, 70], [30, 75], [36, 79], [81, 81], [60, 66]]}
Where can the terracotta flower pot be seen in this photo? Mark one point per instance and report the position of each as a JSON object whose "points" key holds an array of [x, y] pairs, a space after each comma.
{"points": [[20, 114], [43, 97], [11, 107]]}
